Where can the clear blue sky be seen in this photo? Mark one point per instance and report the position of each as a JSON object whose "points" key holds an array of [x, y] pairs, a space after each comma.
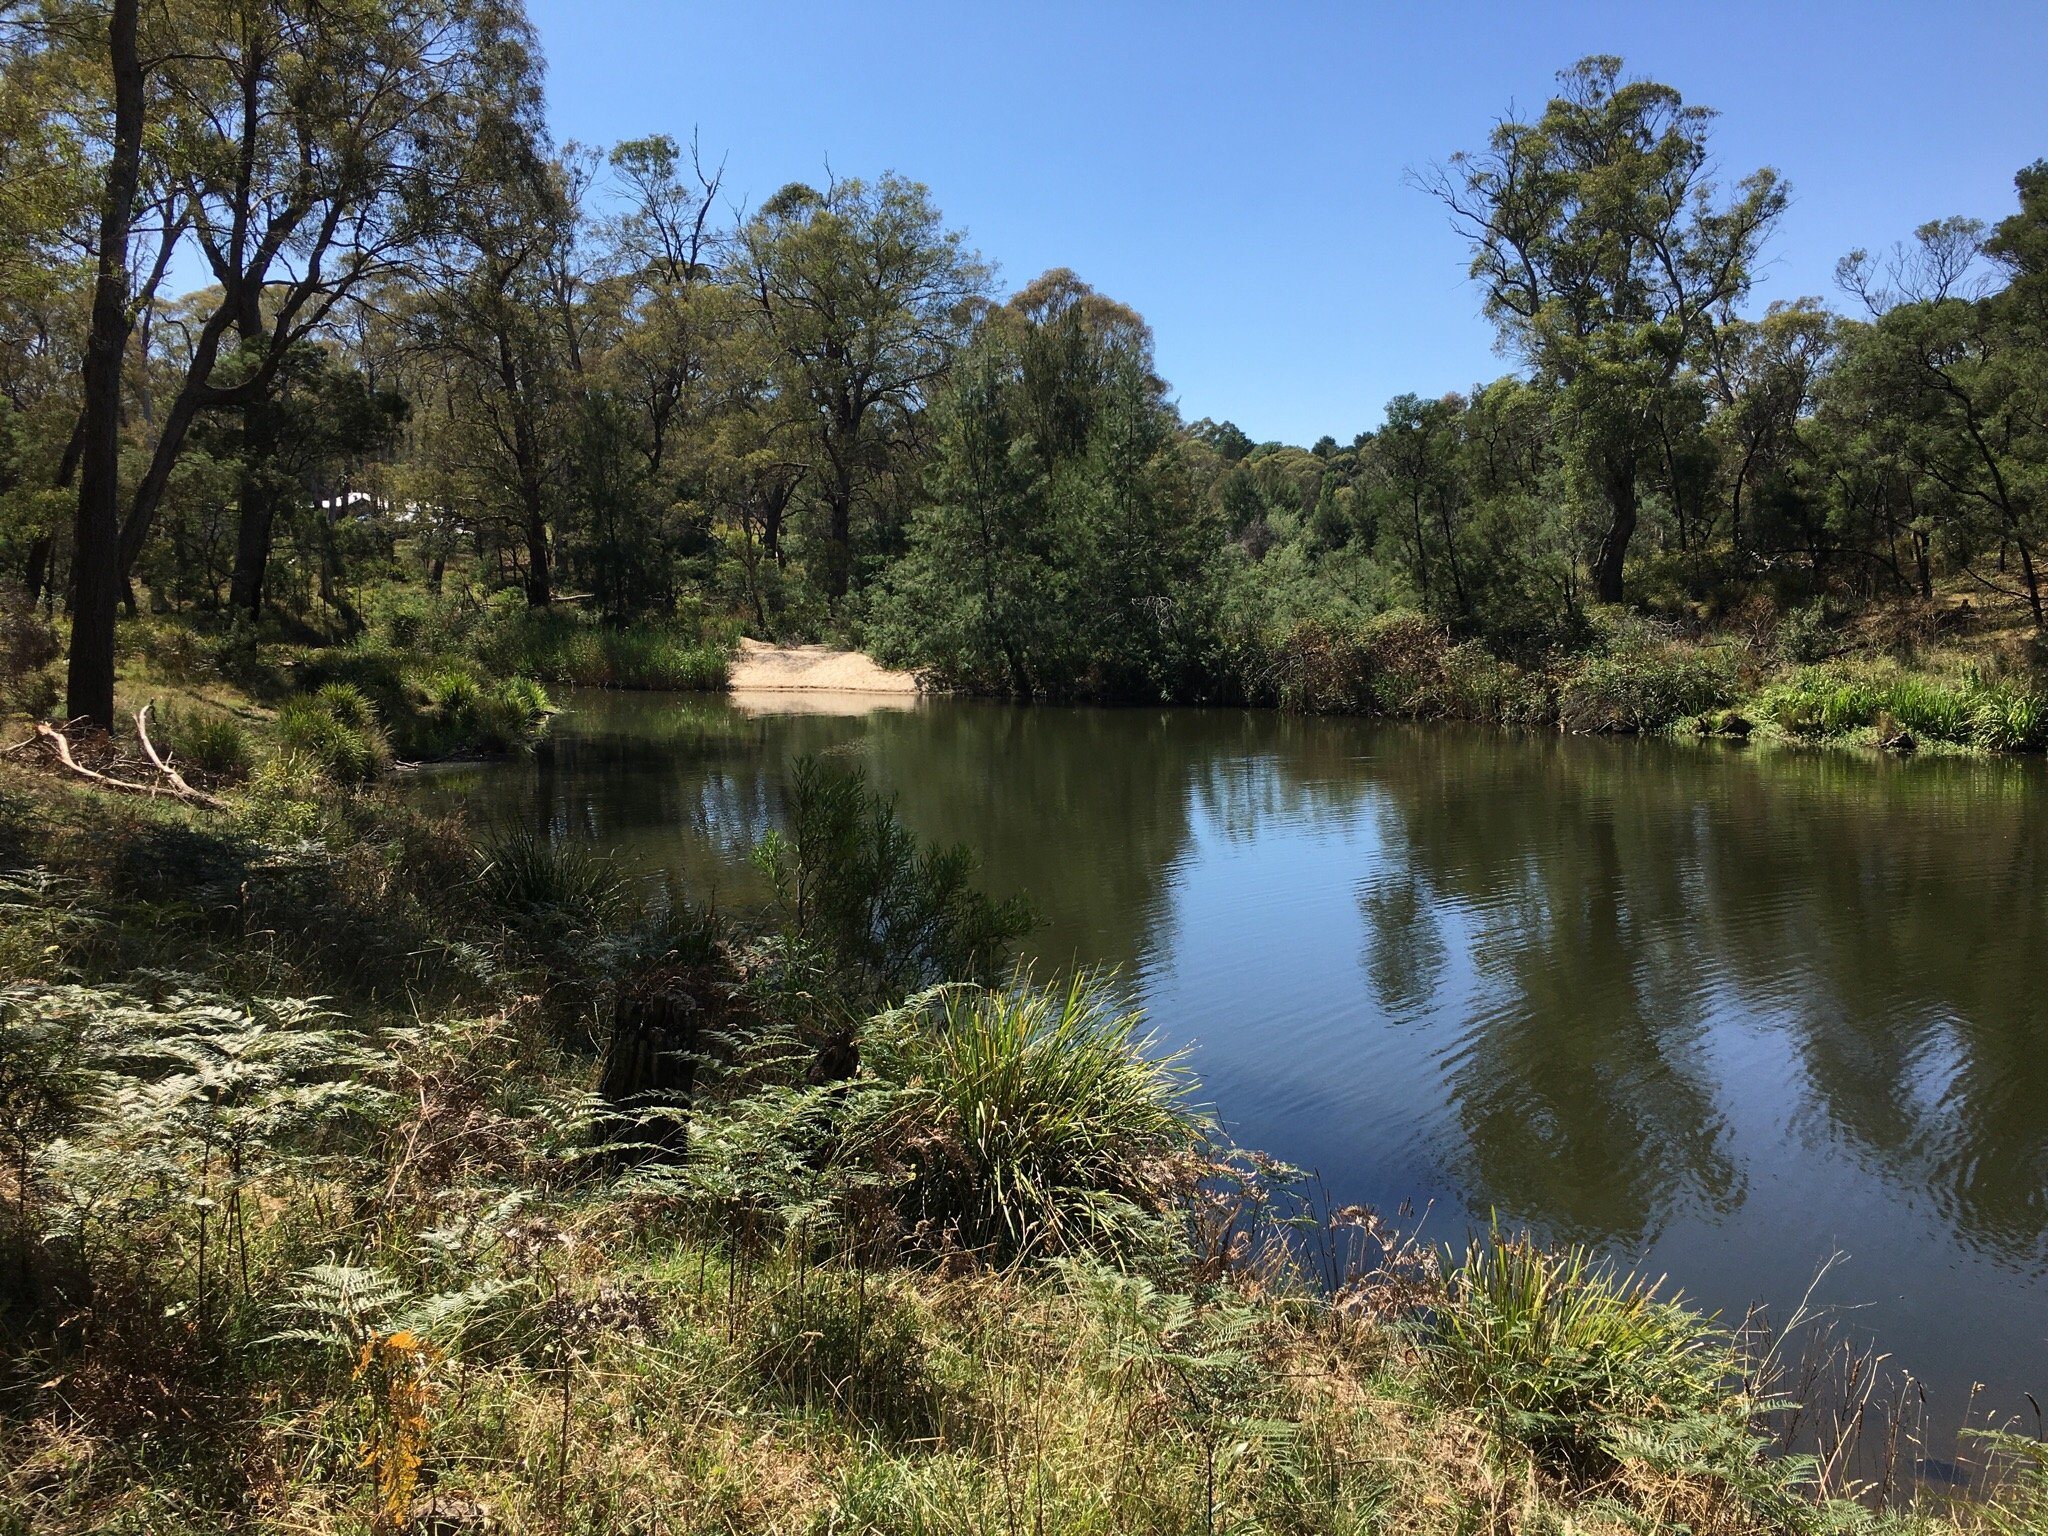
{"points": [[1235, 172]]}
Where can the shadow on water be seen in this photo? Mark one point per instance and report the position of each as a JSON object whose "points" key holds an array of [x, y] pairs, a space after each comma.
{"points": [[1723, 1012]]}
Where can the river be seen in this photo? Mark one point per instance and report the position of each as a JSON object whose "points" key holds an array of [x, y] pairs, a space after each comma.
{"points": [[1724, 1012]]}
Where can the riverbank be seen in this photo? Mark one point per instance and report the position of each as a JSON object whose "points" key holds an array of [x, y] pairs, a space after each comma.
{"points": [[384, 1259], [759, 667]]}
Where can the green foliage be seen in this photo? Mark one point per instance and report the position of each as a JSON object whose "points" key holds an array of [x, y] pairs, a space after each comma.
{"points": [[1644, 688], [1064, 551], [213, 741], [559, 647], [547, 884], [337, 730], [886, 914], [1561, 1354], [433, 709], [1820, 702], [1048, 1122]]}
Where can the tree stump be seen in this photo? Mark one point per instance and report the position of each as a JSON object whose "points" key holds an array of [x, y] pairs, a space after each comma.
{"points": [[650, 1065]]}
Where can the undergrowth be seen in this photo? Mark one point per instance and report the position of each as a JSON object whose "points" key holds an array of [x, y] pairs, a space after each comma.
{"points": [[359, 1180]]}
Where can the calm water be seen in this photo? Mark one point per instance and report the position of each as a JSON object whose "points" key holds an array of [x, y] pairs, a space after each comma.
{"points": [[1723, 1012]]}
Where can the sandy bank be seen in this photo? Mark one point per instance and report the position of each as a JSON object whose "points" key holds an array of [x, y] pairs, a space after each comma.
{"points": [[762, 668]]}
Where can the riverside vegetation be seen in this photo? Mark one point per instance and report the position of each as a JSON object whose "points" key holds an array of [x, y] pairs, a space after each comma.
{"points": [[444, 356], [358, 1178]]}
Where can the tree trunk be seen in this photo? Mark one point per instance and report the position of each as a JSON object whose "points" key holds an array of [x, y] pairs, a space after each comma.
{"points": [[838, 572], [37, 574], [95, 561], [1621, 506], [259, 490], [539, 587]]}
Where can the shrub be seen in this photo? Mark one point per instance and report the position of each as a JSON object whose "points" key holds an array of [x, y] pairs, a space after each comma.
{"points": [[174, 652], [1645, 690], [1562, 1354], [885, 913], [1045, 1122], [1804, 634], [433, 711], [532, 877], [27, 647], [212, 741], [337, 729]]}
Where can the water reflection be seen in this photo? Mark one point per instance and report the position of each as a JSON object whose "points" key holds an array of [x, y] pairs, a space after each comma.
{"points": [[1719, 1008]]}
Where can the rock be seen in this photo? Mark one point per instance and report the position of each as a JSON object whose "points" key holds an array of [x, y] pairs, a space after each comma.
{"points": [[449, 1514]]}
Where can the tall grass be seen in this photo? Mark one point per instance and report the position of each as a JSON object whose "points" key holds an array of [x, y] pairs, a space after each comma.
{"points": [[1820, 702], [559, 647], [1048, 1120], [433, 708], [1563, 1354], [336, 728]]}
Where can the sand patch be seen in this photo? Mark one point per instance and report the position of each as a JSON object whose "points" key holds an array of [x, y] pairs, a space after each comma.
{"points": [[762, 668]]}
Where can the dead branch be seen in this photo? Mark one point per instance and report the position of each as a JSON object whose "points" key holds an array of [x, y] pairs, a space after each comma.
{"points": [[184, 791], [62, 745]]}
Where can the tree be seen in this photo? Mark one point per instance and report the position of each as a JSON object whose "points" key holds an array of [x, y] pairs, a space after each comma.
{"points": [[89, 682], [1608, 258], [1063, 549], [863, 296], [1957, 381], [497, 340], [1418, 452], [315, 146]]}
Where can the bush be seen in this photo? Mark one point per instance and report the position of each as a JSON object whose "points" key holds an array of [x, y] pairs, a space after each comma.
{"points": [[337, 729], [1645, 690], [1045, 1123], [1804, 634], [885, 913], [211, 741], [434, 711], [1563, 1355], [28, 645], [531, 877]]}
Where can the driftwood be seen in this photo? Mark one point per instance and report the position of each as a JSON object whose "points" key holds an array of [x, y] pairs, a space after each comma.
{"points": [[174, 784]]}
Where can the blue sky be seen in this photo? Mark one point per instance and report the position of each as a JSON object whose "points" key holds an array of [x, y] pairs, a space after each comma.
{"points": [[1236, 172]]}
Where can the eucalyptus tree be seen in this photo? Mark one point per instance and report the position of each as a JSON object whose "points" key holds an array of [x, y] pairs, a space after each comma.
{"points": [[496, 344], [1419, 452], [862, 296], [1609, 255], [1766, 376], [84, 85], [1062, 548], [314, 146], [1952, 367]]}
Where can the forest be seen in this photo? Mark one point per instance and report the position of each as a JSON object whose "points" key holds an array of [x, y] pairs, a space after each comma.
{"points": [[428, 362], [366, 1169]]}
